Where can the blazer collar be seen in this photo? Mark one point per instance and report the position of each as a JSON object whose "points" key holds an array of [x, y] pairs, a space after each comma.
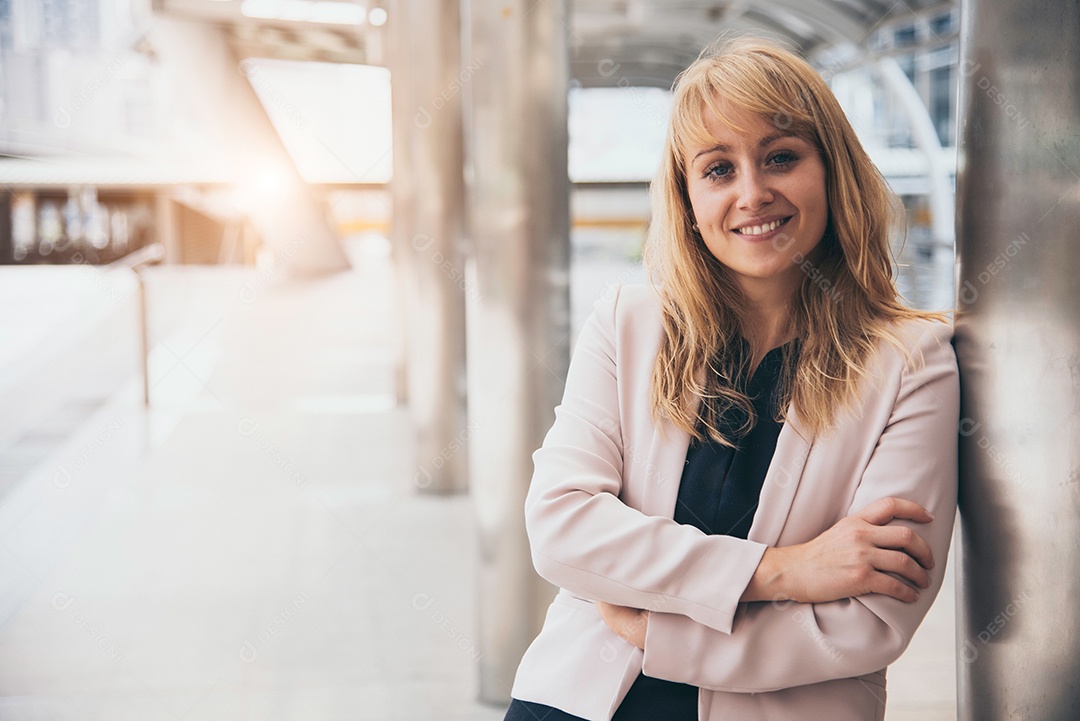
{"points": [[668, 457]]}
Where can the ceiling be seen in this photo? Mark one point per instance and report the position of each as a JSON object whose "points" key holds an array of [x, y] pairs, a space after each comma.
{"points": [[613, 42], [651, 42]]}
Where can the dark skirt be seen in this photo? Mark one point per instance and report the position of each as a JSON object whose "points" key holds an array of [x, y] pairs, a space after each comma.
{"points": [[647, 700]]}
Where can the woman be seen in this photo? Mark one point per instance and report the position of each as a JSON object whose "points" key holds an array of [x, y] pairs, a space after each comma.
{"points": [[748, 492]]}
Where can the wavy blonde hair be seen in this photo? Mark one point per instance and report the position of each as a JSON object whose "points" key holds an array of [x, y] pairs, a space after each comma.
{"points": [[847, 302]]}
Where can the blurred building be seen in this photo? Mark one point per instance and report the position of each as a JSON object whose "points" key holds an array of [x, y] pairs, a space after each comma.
{"points": [[104, 157]]}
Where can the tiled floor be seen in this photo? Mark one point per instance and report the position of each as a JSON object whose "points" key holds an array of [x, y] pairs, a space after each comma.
{"points": [[250, 548]]}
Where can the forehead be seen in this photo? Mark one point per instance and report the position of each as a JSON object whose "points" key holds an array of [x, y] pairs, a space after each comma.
{"points": [[723, 122], [712, 122], [726, 127]]}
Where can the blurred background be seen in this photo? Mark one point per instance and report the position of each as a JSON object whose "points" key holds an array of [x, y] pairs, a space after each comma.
{"points": [[287, 292]]}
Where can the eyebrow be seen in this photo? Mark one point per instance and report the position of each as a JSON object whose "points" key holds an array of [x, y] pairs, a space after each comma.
{"points": [[768, 139]]}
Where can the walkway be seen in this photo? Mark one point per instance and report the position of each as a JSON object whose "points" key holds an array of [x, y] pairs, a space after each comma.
{"points": [[250, 548]]}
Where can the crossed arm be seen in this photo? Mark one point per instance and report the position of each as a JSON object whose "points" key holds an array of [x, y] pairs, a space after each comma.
{"points": [[853, 558]]}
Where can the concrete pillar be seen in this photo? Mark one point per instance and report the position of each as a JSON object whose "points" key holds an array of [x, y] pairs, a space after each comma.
{"points": [[1018, 343], [428, 191], [515, 74]]}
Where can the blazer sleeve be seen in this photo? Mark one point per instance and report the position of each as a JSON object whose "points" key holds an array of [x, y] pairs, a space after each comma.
{"points": [[585, 539], [783, 644]]}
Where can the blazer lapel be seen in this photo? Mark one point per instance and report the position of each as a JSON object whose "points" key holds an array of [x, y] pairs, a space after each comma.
{"points": [[667, 456], [781, 481]]}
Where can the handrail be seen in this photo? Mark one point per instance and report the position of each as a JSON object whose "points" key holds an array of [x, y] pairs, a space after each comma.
{"points": [[136, 261]]}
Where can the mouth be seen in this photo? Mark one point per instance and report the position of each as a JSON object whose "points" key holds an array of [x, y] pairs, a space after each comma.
{"points": [[762, 230]]}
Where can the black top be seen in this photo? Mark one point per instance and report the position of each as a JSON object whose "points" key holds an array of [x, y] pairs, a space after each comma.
{"points": [[720, 485], [718, 494]]}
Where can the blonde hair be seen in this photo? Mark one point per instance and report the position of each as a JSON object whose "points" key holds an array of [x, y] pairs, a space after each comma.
{"points": [[842, 309]]}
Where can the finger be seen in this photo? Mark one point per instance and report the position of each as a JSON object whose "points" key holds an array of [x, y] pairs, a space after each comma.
{"points": [[884, 510], [902, 538], [888, 586], [902, 565]]}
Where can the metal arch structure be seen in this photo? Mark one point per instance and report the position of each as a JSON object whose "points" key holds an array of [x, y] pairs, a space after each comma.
{"points": [[940, 167], [831, 22], [652, 41]]}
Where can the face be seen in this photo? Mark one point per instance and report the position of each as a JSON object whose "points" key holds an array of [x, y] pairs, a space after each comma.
{"points": [[759, 201]]}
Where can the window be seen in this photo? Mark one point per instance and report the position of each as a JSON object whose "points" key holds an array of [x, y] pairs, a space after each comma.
{"points": [[904, 36], [941, 103], [942, 24]]}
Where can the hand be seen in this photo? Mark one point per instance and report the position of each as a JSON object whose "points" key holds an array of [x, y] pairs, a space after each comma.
{"points": [[628, 624], [853, 558]]}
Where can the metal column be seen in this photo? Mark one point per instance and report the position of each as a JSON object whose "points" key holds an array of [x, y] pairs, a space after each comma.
{"points": [[1018, 343], [515, 72], [429, 206]]}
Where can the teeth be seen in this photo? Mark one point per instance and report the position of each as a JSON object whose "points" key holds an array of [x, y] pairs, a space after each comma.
{"points": [[761, 229]]}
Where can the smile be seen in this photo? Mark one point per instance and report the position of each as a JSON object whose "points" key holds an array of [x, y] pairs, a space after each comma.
{"points": [[753, 230]]}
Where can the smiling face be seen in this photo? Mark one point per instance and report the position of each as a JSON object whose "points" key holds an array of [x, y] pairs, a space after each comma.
{"points": [[759, 200]]}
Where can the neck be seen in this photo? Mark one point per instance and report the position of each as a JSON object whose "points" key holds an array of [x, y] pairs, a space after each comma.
{"points": [[769, 318]]}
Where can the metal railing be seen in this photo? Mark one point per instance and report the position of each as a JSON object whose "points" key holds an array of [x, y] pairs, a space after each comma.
{"points": [[136, 261]]}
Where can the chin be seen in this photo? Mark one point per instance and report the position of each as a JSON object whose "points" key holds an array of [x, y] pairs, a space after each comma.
{"points": [[779, 274]]}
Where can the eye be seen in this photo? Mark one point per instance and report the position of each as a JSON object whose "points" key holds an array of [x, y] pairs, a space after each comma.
{"points": [[718, 171], [783, 158]]}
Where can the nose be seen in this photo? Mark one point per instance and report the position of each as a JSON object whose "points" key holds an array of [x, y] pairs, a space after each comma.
{"points": [[754, 191]]}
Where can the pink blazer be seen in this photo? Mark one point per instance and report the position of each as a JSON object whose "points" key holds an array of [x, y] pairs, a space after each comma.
{"points": [[599, 518]]}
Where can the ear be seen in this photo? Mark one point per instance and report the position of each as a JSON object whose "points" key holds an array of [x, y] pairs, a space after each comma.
{"points": [[693, 221]]}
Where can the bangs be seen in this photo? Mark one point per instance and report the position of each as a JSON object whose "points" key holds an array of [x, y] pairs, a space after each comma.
{"points": [[740, 86]]}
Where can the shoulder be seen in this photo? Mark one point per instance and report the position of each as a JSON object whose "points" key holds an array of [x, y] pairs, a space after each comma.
{"points": [[920, 341], [912, 372], [626, 327], [924, 331], [630, 308], [922, 358], [630, 297]]}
